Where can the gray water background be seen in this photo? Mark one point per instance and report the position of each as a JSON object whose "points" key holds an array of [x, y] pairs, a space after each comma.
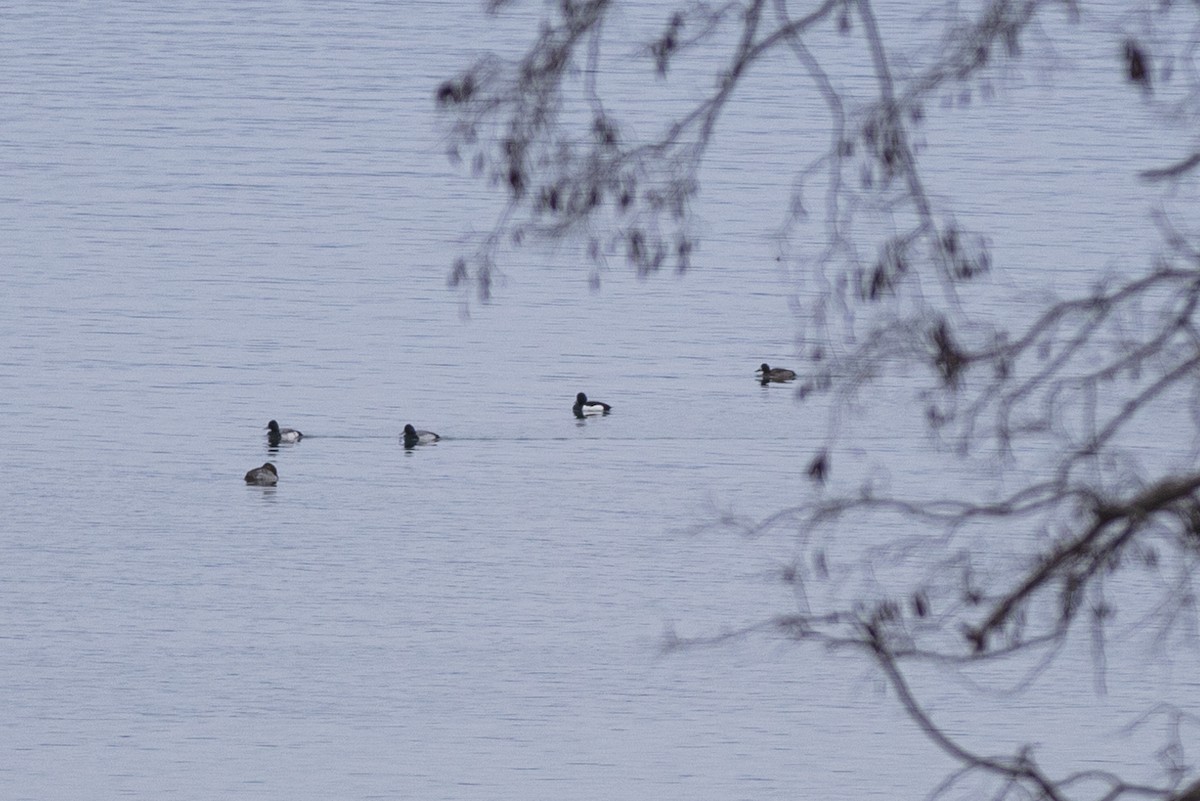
{"points": [[217, 215]]}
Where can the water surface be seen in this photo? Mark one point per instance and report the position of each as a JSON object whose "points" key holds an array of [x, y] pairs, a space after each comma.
{"points": [[213, 217]]}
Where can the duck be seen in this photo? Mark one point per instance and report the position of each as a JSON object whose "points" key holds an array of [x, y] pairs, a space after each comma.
{"points": [[413, 437], [584, 406], [265, 476], [276, 435], [777, 374]]}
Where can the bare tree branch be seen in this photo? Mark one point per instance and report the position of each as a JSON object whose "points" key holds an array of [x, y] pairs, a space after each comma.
{"points": [[1056, 400]]}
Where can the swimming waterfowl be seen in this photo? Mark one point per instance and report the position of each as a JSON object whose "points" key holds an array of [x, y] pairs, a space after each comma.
{"points": [[266, 476], [778, 374], [276, 435], [413, 437], [584, 406]]}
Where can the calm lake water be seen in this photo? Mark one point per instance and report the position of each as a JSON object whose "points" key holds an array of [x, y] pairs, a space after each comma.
{"points": [[219, 215]]}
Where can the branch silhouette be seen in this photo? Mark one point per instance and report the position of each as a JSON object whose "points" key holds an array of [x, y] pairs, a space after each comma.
{"points": [[1056, 402]]}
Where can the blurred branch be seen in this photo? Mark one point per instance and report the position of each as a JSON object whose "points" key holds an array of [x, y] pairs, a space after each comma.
{"points": [[952, 580], [1172, 171]]}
